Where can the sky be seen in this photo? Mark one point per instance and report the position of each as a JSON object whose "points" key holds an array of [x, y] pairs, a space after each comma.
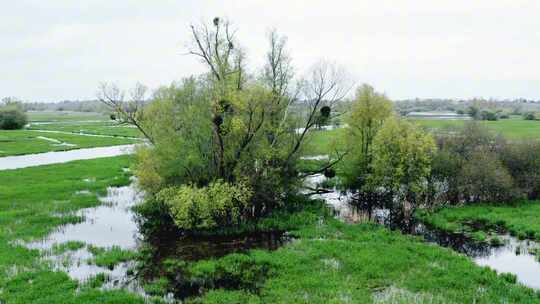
{"points": [[62, 49]]}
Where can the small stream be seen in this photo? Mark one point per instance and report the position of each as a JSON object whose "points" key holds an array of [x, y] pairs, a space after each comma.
{"points": [[47, 158]]}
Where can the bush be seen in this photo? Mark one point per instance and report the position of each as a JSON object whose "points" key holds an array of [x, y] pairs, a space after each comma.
{"points": [[485, 179], [523, 163], [12, 118], [208, 207], [488, 115], [529, 116]]}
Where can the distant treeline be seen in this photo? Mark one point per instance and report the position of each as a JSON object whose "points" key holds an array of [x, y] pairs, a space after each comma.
{"points": [[513, 107], [68, 105]]}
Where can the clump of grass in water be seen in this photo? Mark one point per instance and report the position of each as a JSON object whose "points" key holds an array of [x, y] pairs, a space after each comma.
{"points": [[97, 281], [110, 257], [67, 246]]}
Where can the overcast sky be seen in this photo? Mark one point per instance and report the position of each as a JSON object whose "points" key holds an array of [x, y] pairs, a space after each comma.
{"points": [[61, 49]]}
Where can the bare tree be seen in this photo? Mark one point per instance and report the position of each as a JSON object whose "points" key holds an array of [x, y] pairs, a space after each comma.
{"points": [[325, 86], [128, 111], [217, 48]]}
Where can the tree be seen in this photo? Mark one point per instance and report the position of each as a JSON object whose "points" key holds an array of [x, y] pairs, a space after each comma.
{"points": [[12, 115], [401, 165], [230, 127], [485, 179], [368, 112], [474, 112], [130, 111]]}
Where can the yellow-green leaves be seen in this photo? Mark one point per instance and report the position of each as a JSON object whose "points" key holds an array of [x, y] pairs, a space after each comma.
{"points": [[402, 155], [217, 204]]}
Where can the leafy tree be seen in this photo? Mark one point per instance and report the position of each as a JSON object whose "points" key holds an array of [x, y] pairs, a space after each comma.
{"points": [[369, 111], [229, 127], [474, 112], [485, 179], [529, 116], [12, 115], [402, 155]]}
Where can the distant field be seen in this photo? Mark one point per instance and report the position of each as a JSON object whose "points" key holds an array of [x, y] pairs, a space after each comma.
{"points": [[21, 142], [101, 128], [79, 122], [515, 128], [42, 116]]}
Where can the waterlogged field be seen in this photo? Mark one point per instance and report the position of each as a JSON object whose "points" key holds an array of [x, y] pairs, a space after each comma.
{"points": [[34, 202], [514, 128], [19, 142], [97, 128], [520, 220], [328, 261]]}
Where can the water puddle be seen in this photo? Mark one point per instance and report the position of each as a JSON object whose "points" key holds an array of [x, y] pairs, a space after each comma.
{"points": [[110, 224], [31, 160]]}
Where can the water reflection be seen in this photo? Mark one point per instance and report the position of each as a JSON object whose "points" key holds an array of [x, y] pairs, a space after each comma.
{"points": [[110, 224]]}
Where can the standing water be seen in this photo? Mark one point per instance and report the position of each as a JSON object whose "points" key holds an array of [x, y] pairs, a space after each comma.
{"points": [[512, 256], [31, 160]]}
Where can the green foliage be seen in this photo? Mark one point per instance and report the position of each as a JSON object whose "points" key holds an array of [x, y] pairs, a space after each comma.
{"points": [[218, 204], [402, 156], [483, 178], [231, 126], [529, 116], [369, 111], [12, 117]]}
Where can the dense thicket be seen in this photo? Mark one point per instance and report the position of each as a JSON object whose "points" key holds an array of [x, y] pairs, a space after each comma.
{"points": [[474, 165]]}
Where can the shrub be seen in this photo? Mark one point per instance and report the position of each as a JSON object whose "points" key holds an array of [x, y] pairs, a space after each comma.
{"points": [[529, 116], [485, 179], [208, 207], [12, 117], [523, 163], [488, 115]]}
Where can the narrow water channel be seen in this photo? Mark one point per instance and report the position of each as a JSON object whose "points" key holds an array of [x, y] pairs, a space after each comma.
{"points": [[48, 158]]}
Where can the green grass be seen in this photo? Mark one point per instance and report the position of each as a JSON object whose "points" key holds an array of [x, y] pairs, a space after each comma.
{"points": [[324, 142], [36, 200], [334, 262], [102, 128], [67, 246], [520, 220], [45, 116], [19, 142], [110, 257], [514, 128]]}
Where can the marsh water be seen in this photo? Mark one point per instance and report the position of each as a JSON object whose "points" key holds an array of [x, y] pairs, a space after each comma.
{"points": [[513, 256], [113, 223]]}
